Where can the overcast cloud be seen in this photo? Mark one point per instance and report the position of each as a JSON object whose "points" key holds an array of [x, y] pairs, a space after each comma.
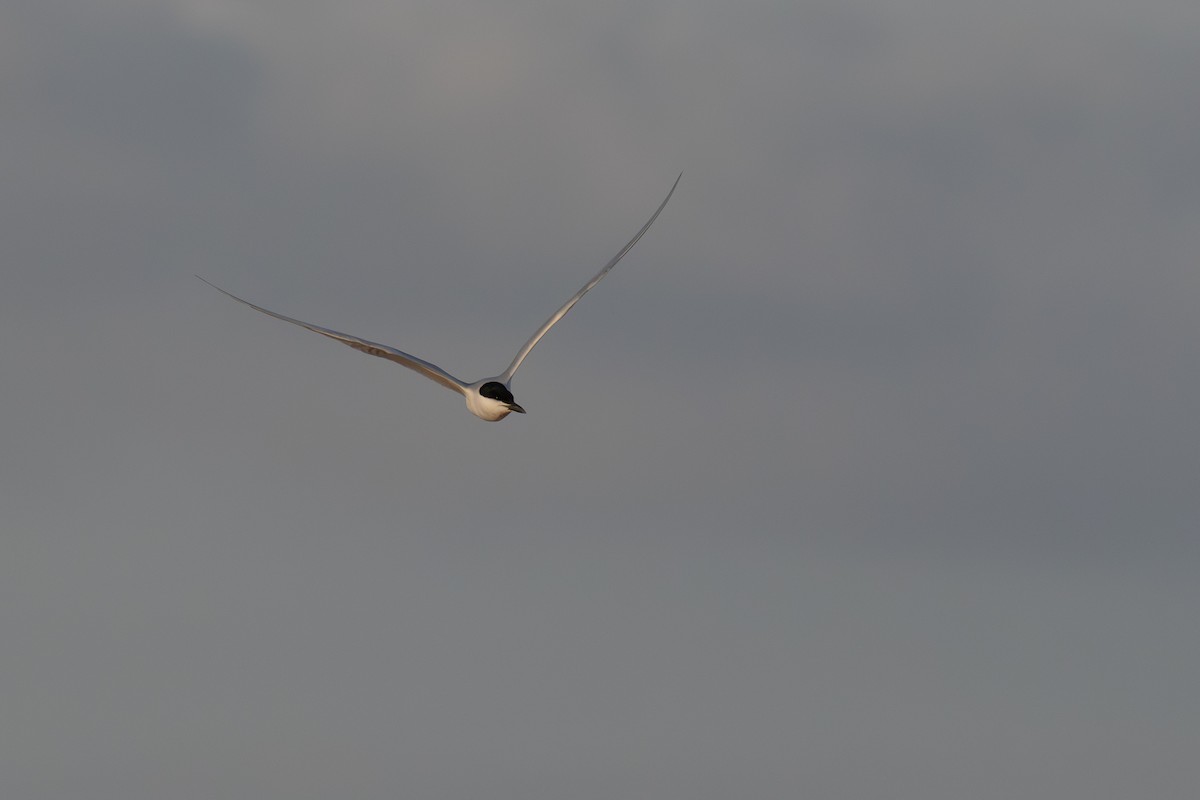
{"points": [[872, 472]]}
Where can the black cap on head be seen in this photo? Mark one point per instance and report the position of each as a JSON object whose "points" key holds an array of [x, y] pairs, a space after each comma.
{"points": [[495, 390]]}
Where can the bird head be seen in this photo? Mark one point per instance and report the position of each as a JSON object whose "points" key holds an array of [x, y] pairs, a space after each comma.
{"points": [[494, 390]]}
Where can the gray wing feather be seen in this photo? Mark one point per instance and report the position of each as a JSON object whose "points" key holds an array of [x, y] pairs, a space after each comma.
{"points": [[562, 312], [431, 371]]}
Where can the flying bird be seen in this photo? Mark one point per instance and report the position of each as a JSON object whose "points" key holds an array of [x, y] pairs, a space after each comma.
{"points": [[491, 398]]}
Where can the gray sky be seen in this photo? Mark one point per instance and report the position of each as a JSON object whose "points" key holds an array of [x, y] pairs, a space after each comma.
{"points": [[872, 472]]}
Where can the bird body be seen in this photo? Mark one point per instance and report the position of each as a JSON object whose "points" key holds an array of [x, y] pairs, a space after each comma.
{"points": [[489, 399]]}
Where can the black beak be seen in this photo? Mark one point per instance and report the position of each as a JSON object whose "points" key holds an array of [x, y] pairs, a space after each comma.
{"points": [[516, 408]]}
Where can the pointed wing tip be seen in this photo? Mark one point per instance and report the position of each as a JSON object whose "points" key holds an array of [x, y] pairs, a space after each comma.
{"points": [[210, 283], [673, 185], [230, 294]]}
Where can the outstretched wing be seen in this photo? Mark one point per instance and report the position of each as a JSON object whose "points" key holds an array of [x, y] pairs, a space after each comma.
{"points": [[557, 315], [431, 371]]}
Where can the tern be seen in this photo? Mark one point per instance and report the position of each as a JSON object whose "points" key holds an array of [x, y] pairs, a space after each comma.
{"points": [[489, 399]]}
